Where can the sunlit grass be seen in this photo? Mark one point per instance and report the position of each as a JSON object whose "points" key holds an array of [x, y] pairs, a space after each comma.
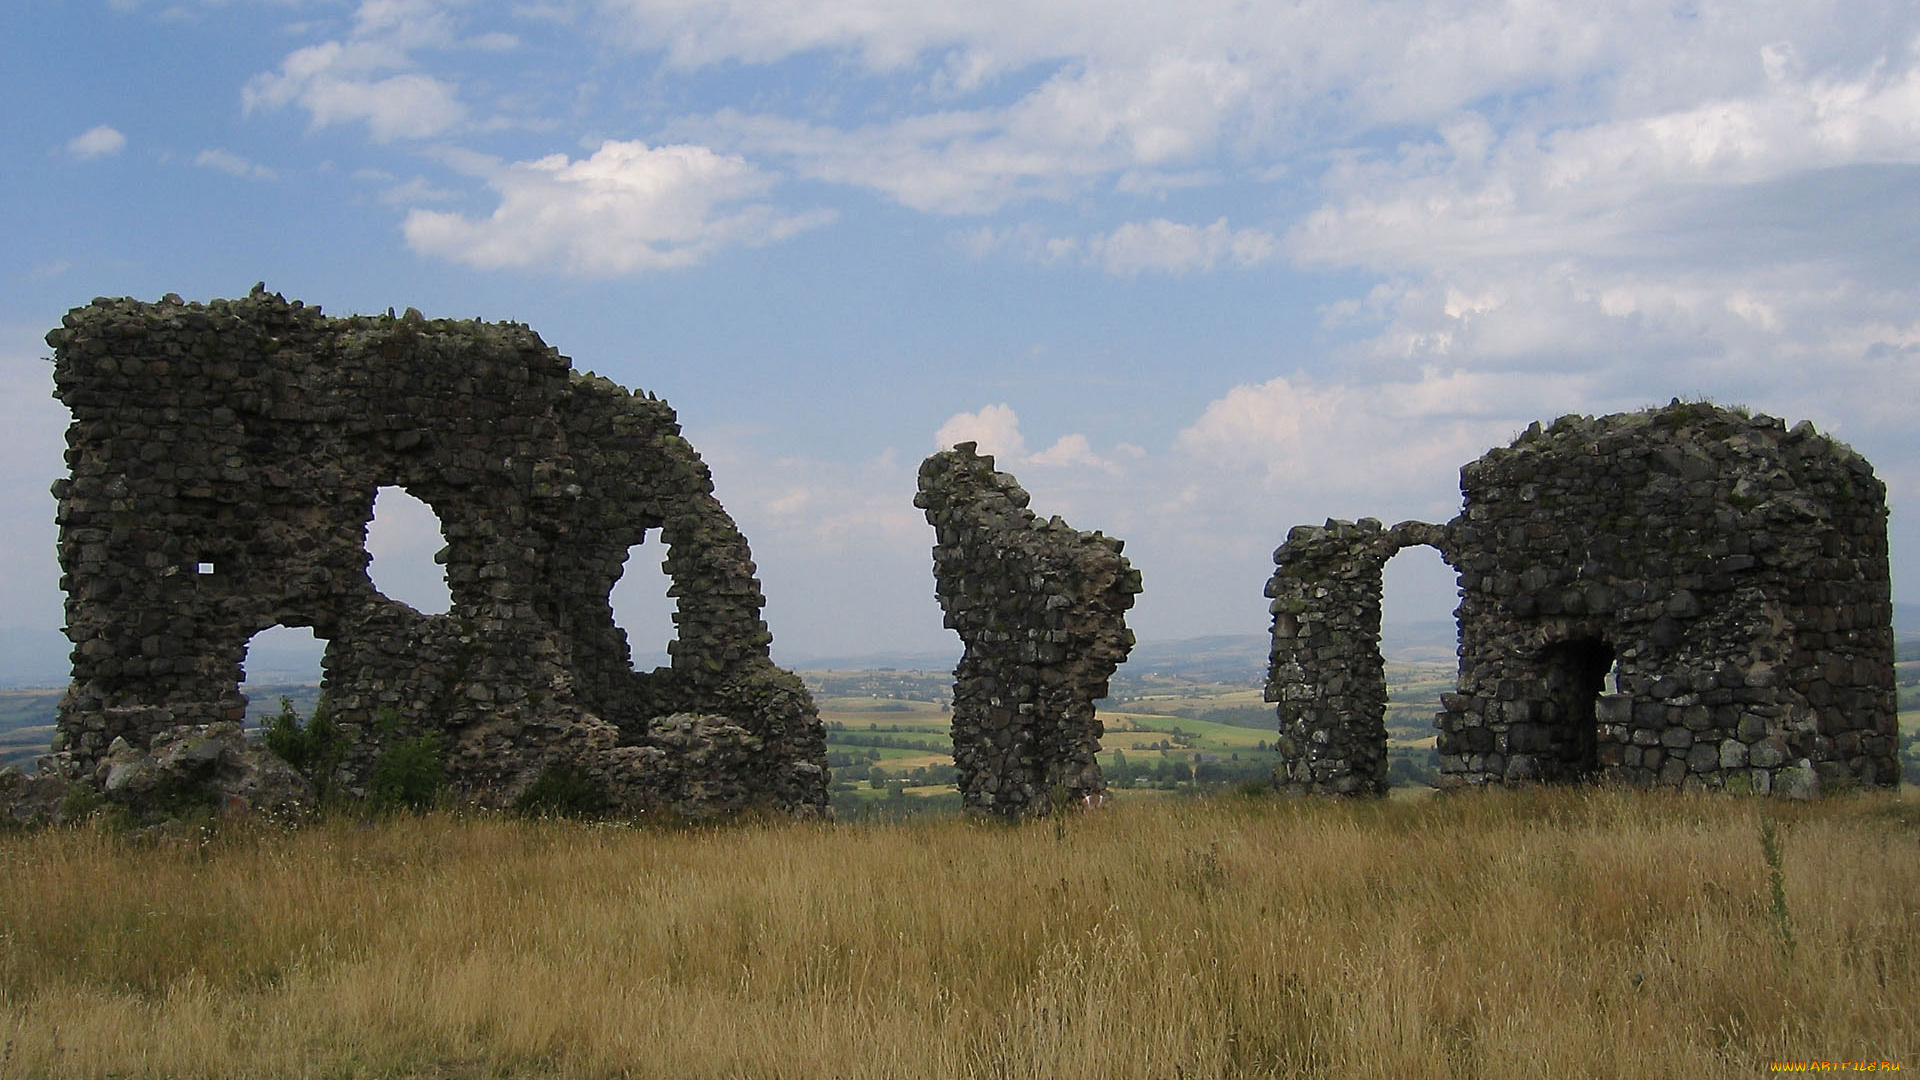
{"points": [[1568, 933]]}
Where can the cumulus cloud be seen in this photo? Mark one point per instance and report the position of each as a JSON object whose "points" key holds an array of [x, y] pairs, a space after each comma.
{"points": [[332, 83], [233, 164], [1072, 450], [996, 431], [995, 428], [96, 142], [370, 76], [1373, 439], [626, 208], [1737, 232]]}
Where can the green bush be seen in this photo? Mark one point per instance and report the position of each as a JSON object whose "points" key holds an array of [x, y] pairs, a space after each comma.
{"points": [[408, 774], [314, 749], [562, 792]]}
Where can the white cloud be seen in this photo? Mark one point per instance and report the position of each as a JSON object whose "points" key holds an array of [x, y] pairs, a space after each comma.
{"points": [[369, 77], [96, 142], [996, 431], [1072, 450], [1376, 440], [625, 209], [1609, 187], [1151, 95], [1138, 123], [404, 106], [233, 164], [943, 163], [1026, 241]]}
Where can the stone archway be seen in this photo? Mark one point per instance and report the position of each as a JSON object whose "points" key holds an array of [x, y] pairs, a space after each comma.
{"points": [[1728, 572], [1325, 671]]}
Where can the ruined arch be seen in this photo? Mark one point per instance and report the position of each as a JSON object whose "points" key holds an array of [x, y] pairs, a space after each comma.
{"points": [[1686, 597], [404, 570], [275, 426], [1325, 670], [646, 589], [279, 655]]}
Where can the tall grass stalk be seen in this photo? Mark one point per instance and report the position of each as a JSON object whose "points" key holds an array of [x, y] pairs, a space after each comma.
{"points": [[1776, 886], [1535, 934]]}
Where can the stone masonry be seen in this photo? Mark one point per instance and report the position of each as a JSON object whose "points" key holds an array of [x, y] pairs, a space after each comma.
{"points": [[1325, 667], [225, 459], [1687, 597], [1041, 608]]}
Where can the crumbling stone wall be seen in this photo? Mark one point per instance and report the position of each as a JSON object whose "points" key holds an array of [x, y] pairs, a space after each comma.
{"points": [[1686, 597], [224, 462], [1041, 608], [1325, 669]]}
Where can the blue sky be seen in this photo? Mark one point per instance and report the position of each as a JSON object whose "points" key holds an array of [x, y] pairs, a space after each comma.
{"points": [[1197, 272]]}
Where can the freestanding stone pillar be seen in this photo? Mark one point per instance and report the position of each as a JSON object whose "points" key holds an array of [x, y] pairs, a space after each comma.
{"points": [[1041, 608]]}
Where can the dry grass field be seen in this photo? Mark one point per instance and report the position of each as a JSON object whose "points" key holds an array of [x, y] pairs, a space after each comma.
{"points": [[1572, 933]]}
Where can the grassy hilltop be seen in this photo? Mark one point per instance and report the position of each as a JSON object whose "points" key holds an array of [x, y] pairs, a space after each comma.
{"points": [[1545, 933]]}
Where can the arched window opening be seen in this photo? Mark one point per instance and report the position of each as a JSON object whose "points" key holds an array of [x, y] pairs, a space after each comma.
{"points": [[641, 606], [402, 538], [1419, 641], [281, 661]]}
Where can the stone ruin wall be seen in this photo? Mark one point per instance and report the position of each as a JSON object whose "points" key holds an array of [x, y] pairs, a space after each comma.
{"points": [[1041, 608], [1686, 597], [224, 460]]}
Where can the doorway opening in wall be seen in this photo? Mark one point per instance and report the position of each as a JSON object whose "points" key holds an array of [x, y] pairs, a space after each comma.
{"points": [[281, 661], [403, 537], [641, 606], [1576, 675], [1419, 641]]}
